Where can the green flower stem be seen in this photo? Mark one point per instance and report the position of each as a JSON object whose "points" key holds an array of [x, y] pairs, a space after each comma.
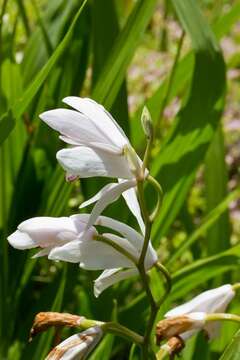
{"points": [[113, 328], [121, 250], [236, 286], [117, 329], [147, 221], [167, 277], [142, 271], [87, 323], [158, 188], [223, 316], [162, 354]]}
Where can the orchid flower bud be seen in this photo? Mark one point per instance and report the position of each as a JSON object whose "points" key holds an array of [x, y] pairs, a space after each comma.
{"points": [[174, 326], [147, 125], [210, 301]]}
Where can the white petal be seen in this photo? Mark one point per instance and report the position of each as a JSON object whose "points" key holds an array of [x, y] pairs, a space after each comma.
{"points": [[100, 117], [111, 149], [43, 252], [125, 244], [91, 254], [87, 162], [75, 127], [77, 346], [48, 231], [21, 241], [209, 301], [130, 197], [126, 231], [111, 277], [80, 222], [109, 197], [187, 334], [132, 236], [68, 140], [213, 329], [97, 196]]}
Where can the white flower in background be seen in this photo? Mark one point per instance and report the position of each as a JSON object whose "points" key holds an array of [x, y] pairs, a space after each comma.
{"points": [[66, 239], [209, 302], [99, 147], [77, 346]]}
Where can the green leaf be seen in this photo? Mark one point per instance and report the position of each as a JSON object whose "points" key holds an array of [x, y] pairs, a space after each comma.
{"points": [[232, 352], [31, 91], [210, 219], [113, 73], [188, 279], [7, 124], [185, 147], [181, 78], [202, 270], [216, 179], [46, 339], [135, 352], [105, 34]]}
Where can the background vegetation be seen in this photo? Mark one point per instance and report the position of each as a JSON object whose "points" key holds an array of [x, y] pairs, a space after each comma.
{"points": [[123, 54]]}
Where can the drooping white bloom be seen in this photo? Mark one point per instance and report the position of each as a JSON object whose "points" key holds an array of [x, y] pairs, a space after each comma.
{"points": [[180, 325], [99, 147], [210, 301], [66, 239], [77, 346]]}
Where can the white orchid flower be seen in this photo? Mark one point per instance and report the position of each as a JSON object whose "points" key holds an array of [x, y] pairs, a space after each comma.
{"points": [[66, 239], [210, 301], [77, 346], [99, 147]]}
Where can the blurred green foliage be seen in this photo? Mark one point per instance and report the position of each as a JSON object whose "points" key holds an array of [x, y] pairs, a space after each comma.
{"points": [[51, 49]]}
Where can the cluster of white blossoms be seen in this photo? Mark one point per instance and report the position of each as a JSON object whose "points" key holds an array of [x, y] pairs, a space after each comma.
{"points": [[98, 147], [202, 313]]}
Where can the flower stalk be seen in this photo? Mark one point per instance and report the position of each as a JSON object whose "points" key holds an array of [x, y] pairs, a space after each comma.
{"points": [[222, 317], [44, 320], [117, 247]]}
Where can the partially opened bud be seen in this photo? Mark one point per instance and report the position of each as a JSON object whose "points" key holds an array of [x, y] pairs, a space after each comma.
{"points": [[175, 326], [208, 302], [147, 125], [77, 346]]}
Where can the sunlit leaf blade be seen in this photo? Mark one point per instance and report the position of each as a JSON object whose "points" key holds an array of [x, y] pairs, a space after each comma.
{"points": [[106, 31], [45, 342], [210, 219], [7, 123], [232, 352], [185, 148], [181, 78], [216, 179], [113, 73], [202, 270], [31, 91]]}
